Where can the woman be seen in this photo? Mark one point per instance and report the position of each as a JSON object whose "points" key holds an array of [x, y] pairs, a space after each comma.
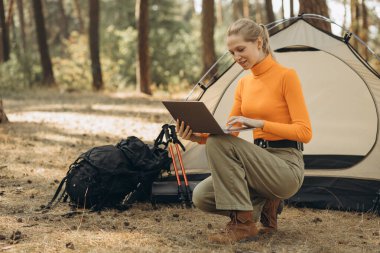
{"points": [[248, 180]]}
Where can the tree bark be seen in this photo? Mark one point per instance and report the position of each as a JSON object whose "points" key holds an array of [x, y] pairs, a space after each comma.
{"points": [[20, 8], [48, 76], [364, 30], [237, 9], [10, 13], [96, 70], [63, 19], [291, 8], [5, 45], [208, 24], [282, 9], [79, 16], [269, 11], [259, 18], [2, 23], [3, 116], [246, 8], [143, 59], [11, 26], [25, 59], [316, 7], [355, 17], [219, 13]]}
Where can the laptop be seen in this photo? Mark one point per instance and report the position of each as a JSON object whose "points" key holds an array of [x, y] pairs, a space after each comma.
{"points": [[198, 117]]}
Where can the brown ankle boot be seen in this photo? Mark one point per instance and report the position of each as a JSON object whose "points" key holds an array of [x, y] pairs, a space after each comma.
{"points": [[241, 227], [268, 218]]}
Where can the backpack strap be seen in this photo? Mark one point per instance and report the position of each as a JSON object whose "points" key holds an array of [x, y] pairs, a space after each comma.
{"points": [[131, 197], [50, 204]]}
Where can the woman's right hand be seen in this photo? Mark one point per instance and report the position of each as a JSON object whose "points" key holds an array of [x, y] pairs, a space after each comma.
{"points": [[185, 132]]}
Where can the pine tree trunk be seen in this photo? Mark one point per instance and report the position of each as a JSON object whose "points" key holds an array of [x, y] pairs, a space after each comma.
{"points": [[219, 13], [208, 24], [282, 9], [364, 30], [259, 18], [79, 16], [355, 17], [246, 8], [2, 22], [269, 11], [20, 8], [63, 19], [10, 13], [316, 7], [3, 116], [13, 30], [48, 76], [143, 64], [237, 9], [25, 59], [96, 70], [10, 24], [5, 45], [291, 8]]}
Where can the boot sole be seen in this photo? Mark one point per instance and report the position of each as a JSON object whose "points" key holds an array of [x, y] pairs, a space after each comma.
{"points": [[249, 239], [267, 230]]}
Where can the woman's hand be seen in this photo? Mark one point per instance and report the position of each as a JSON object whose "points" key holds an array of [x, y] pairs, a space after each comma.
{"points": [[186, 133], [256, 123]]}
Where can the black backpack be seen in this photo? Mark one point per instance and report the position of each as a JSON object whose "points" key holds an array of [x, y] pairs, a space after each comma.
{"points": [[110, 176]]}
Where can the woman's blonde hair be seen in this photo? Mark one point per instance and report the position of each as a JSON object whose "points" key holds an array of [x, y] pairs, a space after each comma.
{"points": [[251, 31]]}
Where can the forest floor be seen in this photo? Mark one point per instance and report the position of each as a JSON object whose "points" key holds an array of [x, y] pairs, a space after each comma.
{"points": [[48, 130]]}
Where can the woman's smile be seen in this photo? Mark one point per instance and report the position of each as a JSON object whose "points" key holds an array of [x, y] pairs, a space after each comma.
{"points": [[243, 63]]}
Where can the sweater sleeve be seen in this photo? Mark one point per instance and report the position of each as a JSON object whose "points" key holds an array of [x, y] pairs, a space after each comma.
{"points": [[236, 111], [300, 128], [204, 137], [236, 107]]}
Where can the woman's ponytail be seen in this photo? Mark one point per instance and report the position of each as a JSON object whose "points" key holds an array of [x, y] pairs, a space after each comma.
{"points": [[265, 36]]}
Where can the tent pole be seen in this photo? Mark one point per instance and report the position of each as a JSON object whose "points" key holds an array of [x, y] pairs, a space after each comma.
{"points": [[200, 82]]}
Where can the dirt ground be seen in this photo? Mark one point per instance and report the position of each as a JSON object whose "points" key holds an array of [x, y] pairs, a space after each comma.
{"points": [[48, 130]]}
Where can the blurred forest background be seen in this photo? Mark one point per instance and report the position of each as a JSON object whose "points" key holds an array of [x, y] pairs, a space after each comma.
{"points": [[143, 45]]}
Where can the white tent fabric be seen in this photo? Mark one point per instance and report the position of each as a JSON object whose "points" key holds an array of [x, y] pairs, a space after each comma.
{"points": [[342, 94]]}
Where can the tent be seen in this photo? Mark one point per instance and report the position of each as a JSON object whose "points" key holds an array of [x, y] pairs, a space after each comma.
{"points": [[342, 93]]}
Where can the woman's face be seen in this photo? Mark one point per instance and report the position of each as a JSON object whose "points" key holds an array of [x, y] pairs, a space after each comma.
{"points": [[246, 53]]}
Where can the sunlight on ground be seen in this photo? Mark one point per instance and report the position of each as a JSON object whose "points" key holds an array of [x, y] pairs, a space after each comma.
{"points": [[56, 137], [80, 123], [98, 107], [121, 108]]}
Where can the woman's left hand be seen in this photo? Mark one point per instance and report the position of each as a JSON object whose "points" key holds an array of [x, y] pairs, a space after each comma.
{"points": [[256, 123]]}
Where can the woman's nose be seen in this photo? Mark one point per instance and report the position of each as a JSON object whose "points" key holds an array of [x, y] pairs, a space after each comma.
{"points": [[236, 57]]}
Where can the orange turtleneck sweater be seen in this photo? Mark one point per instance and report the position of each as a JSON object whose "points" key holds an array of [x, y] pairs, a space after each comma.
{"points": [[273, 93]]}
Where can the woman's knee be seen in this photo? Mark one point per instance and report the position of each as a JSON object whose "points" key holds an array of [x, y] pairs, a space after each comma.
{"points": [[198, 198], [203, 196]]}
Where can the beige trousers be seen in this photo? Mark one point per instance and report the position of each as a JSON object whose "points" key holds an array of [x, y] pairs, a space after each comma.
{"points": [[244, 175]]}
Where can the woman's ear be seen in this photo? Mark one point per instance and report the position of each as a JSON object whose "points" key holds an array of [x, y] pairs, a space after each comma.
{"points": [[259, 43]]}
